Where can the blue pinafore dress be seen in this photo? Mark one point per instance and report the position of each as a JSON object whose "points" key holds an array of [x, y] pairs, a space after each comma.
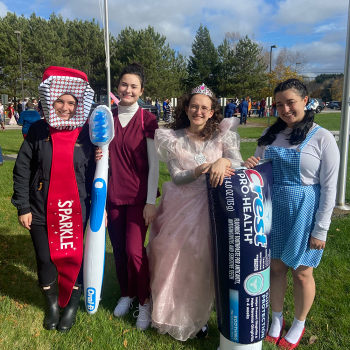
{"points": [[294, 208]]}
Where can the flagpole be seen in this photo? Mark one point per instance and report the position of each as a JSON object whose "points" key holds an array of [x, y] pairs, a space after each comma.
{"points": [[107, 56], [344, 127]]}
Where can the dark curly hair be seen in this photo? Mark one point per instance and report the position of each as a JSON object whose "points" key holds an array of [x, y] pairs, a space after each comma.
{"points": [[135, 68], [181, 120], [300, 129]]}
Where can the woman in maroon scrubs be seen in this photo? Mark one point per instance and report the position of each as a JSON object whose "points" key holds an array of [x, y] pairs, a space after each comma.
{"points": [[132, 192]]}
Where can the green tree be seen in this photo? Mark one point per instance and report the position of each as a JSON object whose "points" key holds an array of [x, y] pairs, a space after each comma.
{"points": [[249, 69], [164, 68], [43, 51], [10, 76], [74, 44], [226, 70], [86, 52], [203, 65]]}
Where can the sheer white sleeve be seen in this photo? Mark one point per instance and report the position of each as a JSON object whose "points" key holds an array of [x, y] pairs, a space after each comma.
{"points": [[180, 176], [153, 172], [231, 141]]}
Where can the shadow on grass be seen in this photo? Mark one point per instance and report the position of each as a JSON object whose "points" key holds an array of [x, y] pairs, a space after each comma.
{"points": [[17, 265], [111, 295]]}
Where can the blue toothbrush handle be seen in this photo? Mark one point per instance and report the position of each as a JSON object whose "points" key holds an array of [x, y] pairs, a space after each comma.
{"points": [[98, 201]]}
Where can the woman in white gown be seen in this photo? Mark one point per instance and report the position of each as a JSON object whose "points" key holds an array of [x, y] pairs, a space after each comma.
{"points": [[179, 250]]}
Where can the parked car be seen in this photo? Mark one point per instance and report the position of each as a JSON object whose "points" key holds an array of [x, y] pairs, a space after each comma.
{"points": [[142, 104], [334, 105], [321, 105]]}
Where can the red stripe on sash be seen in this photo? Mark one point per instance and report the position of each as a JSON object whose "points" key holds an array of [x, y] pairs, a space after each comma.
{"points": [[64, 218]]}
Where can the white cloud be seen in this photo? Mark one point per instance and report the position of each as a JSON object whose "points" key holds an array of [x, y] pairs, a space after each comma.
{"points": [[309, 12], [178, 22], [3, 9], [323, 57], [282, 21]]}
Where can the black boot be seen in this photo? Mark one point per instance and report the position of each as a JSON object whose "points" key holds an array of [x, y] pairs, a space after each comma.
{"points": [[68, 317], [52, 311]]}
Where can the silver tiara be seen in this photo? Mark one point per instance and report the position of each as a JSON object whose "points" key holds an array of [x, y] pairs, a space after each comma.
{"points": [[202, 89]]}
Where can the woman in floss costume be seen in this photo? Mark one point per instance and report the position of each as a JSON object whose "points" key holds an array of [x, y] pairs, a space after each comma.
{"points": [[53, 177], [305, 162], [132, 192], [179, 250]]}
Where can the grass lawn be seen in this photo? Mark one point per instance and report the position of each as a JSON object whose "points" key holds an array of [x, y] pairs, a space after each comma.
{"points": [[21, 303], [330, 121], [10, 141]]}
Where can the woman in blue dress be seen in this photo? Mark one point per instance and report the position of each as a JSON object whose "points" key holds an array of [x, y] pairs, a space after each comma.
{"points": [[305, 162]]}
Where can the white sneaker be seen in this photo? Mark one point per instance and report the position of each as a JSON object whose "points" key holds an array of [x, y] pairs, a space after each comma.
{"points": [[123, 307], [144, 318]]}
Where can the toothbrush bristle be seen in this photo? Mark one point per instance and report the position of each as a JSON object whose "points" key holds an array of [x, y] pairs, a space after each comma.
{"points": [[100, 128]]}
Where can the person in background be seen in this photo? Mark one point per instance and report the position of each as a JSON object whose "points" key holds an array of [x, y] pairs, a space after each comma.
{"points": [[243, 109], [274, 109], [249, 106], [2, 116], [169, 111], [165, 103], [35, 104], [19, 107], [230, 109], [257, 108], [157, 104], [305, 164], [24, 103], [262, 108], [40, 109], [27, 118], [10, 111]]}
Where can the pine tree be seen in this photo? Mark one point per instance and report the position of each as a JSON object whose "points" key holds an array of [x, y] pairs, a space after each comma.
{"points": [[203, 66], [164, 68], [226, 72], [249, 69]]}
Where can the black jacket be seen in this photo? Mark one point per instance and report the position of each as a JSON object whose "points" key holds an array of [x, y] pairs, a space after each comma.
{"points": [[31, 174]]}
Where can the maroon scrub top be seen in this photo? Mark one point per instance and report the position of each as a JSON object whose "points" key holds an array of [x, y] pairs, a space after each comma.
{"points": [[128, 180]]}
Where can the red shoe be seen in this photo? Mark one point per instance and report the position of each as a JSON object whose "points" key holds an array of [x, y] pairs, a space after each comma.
{"points": [[286, 345], [275, 340]]}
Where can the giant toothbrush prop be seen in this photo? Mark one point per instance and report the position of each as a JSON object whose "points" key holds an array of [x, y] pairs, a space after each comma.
{"points": [[241, 213], [101, 128]]}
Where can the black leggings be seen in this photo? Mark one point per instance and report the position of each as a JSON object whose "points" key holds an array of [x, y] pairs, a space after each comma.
{"points": [[47, 271]]}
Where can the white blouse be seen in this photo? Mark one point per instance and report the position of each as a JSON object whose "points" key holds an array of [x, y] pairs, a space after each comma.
{"points": [[319, 164]]}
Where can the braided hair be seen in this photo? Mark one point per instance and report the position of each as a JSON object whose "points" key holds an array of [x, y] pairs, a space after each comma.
{"points": [[300, 129]]}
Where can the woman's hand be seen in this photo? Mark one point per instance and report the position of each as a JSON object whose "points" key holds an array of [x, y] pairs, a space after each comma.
{"points": [[98, 154], [106, 219], [317, 243], [251, 162], [149, 213], [218, 171], [202, 169], [25, 220]]}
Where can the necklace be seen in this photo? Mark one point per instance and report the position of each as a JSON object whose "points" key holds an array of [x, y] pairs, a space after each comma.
{"points": [[200, 158]]}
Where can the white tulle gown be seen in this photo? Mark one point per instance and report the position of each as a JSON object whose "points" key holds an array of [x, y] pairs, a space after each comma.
{"points": [[179, 249]]}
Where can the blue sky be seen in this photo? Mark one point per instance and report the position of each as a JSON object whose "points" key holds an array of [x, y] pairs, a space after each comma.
{"points": [[316, 27]]}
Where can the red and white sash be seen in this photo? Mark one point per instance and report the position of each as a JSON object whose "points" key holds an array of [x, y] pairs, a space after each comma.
{"points": [[64, 217]]}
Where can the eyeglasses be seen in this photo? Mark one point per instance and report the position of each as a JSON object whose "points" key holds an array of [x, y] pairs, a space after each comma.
{"points": [[195, 108]]}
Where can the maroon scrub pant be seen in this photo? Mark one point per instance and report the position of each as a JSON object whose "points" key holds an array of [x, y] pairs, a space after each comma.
{"points": [[127, 232]]}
